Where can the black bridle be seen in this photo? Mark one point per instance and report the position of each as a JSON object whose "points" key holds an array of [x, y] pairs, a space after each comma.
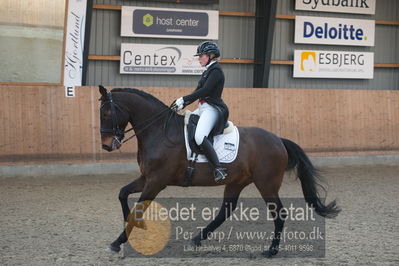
{"points": [[116, 131]]}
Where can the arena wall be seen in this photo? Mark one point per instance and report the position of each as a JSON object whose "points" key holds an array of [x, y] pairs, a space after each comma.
{"points": [[40, 125]]}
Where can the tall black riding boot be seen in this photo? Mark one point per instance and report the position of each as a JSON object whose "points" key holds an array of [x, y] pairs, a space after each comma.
{"points": [[219, 172]]}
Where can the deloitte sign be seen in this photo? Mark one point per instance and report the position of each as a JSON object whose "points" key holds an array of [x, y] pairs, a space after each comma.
{"points": [[334, 31]]}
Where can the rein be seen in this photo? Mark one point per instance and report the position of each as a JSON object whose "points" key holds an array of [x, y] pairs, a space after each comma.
{"points": [[115, 127], [154, 118]]}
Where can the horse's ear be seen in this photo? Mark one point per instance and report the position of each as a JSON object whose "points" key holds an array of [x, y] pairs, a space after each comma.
{"points": [[103, 91]]}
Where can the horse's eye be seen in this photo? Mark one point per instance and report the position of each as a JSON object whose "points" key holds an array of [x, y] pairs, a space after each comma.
{"points": [[105, 114]]}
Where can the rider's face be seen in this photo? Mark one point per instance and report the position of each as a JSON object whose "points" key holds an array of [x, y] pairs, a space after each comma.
{"points": [[203, 59]]}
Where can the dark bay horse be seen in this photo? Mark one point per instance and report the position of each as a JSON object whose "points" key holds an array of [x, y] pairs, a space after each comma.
{"points": [[262, 159]]}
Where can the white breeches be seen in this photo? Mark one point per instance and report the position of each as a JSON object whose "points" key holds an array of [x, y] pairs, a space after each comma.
{"points": [[208, 117]]}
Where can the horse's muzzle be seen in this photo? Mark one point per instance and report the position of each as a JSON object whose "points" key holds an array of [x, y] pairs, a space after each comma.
{"points": [[115, 144], [107, 148]]}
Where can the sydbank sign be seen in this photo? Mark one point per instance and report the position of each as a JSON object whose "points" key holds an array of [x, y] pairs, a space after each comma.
{"points": [[341, 6], [334, 31], [333, 64], [169, 23], [159, 59]]}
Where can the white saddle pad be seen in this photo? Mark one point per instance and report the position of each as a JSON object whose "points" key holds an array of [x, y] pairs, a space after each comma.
{"points": [[225, 145]]}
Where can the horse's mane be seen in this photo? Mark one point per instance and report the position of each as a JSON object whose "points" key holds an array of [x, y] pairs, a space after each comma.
{"points": [[143, 94]]}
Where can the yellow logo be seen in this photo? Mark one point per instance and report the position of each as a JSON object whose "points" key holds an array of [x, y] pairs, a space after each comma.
{"points": [[148, 20], [147, 228], [308, 61]]}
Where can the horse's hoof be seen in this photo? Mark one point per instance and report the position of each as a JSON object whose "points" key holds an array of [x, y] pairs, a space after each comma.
{"points": [[196, 241], [270, 253], [114, 249]]}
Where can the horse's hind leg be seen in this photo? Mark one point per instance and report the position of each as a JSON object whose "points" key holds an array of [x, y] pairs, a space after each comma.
{"points": [[275, 206], [231, 194], [273, 202]]}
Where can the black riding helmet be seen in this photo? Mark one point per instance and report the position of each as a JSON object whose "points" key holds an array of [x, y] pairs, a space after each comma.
{"points": [[208, 47]]}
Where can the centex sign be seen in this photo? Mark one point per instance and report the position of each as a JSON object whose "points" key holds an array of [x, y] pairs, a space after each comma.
{"points": [[336, 31], [137, 58]]}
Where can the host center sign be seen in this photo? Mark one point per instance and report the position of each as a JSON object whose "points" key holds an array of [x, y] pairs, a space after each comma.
{"points": [[167, 23], [336, 31]]}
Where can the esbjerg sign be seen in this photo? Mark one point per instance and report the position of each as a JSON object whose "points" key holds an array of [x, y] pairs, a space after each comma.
{"points": [[334, 31], [341, 6], [159, 59], [169, 23], [333, 64]]}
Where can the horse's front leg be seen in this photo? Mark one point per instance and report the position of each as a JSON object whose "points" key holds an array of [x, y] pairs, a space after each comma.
{"points": [[133, 187], [150, 190]]}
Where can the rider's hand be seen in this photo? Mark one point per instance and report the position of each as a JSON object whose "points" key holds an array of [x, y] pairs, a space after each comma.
{"points": [[178, 104]]}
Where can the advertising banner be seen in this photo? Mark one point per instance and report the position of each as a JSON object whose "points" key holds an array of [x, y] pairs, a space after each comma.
{"points": [[340, 6], [202, 2], [75, 33], [137, 58], [169, 23], [333, 64], [334, 31]]}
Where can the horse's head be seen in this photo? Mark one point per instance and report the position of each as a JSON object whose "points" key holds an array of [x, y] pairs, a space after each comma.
{"points": [[113, 121]]}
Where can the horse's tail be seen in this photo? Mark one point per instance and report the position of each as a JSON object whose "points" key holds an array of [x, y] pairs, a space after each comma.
{"points": [[310, 178]]}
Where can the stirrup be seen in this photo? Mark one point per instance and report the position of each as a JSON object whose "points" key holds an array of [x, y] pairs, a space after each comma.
{"points": [[219, 174]]}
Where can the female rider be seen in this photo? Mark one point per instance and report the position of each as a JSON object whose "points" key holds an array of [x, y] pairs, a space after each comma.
{"points": [[212, 110]]}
